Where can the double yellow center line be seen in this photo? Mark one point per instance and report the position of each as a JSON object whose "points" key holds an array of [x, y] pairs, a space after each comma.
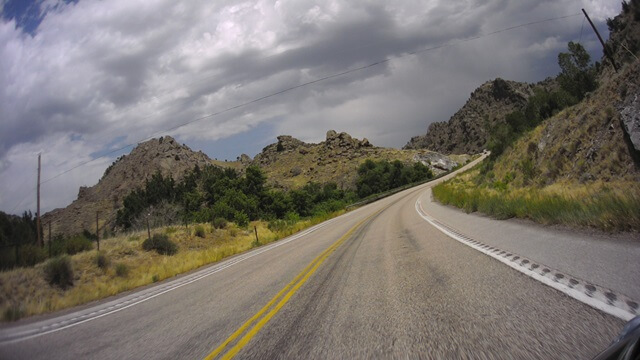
{"points": [[281, 300]]}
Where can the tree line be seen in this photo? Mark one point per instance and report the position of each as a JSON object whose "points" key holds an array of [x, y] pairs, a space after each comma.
{"points": [[208, 193]]}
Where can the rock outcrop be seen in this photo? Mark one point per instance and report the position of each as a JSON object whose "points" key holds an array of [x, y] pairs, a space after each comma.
{"points": [[630, 116], [127, 173], [291, 163], [468, 130]]}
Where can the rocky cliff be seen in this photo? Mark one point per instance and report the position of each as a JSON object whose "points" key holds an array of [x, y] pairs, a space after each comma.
{"points": [[467, 131], [291, 163], [165, 155]]}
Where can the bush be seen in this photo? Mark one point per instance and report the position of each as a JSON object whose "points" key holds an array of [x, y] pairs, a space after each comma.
{"points": [[59, 272], [122, 270], [102, 260], [170, 230], [241, 219], [29, 255], [199, 231], [161, 244], [219, 223], [76, 244], [13, 313]]}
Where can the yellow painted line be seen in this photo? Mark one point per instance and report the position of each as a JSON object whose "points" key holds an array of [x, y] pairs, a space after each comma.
{"points": [[293, 287]]}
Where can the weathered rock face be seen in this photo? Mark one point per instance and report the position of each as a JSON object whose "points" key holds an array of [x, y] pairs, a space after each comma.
{"points": [[630, 117], [343, 141], [124, 175], [244, 159], [438, 163], [467, 132]]}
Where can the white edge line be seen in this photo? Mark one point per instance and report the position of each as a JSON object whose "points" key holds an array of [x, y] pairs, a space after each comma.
{"points": [[196, 277], [578, 295]]}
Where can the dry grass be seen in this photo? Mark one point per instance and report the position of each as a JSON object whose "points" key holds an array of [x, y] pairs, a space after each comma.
{"points": [[608, 206], [26, 288]]}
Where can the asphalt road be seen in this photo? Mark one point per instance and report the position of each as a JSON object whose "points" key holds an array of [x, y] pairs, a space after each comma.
{"points": [[379, 282]]}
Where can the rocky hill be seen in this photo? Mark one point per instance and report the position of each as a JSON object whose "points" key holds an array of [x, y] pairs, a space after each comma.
{"points": [[596, 141], [165, 155], [467, 131], [291, 163]]}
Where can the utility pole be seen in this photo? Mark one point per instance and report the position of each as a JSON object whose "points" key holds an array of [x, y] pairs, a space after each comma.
{"points": [[97, 231], [148, 229], [39, 234], [604, 47], [49, 242]]}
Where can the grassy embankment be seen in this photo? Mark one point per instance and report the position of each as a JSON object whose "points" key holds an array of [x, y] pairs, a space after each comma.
{"points": [[608, 206], [25, 292]]}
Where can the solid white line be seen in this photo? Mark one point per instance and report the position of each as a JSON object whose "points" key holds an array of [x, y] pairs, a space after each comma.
{"points": [[578, 295]]}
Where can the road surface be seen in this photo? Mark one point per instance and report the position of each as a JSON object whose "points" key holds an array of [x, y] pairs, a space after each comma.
{"points": [[378, 282]]}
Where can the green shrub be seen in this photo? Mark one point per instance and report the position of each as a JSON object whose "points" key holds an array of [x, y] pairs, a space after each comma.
{"points": [[277, 225], [219, 223], [59, 272], [155, 278], [102, 260], [122, 270], [292, 217], [170, 230], [29, 255], [241, 219], [199, 231], [161, 244], [13, 313], [76, 244]]}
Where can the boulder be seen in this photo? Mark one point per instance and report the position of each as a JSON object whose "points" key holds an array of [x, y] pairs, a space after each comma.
{"points": [[630, 117]]}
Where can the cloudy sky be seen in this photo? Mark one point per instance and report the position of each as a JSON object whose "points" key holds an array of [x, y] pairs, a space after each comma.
{"points": [[79, 79]]}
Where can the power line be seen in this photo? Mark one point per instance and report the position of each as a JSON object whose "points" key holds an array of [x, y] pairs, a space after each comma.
{"points": [[280, 92]]}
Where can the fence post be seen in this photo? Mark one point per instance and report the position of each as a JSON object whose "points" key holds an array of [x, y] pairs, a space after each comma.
{"points": [[49, 239], [255, 229], [97, 231], [148, 229]]}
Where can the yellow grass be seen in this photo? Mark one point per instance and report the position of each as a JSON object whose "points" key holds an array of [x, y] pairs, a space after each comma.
{"points": [[25, 289]]}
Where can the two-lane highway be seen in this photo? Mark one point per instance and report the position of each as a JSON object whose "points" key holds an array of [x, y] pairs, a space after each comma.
{"points": [[379, 282]]}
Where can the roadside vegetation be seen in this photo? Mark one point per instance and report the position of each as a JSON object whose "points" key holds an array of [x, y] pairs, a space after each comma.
{"points": [[605, 206], [130, 261], [562, 159]]}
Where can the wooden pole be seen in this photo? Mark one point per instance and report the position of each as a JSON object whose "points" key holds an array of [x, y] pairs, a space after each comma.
{"points": [[148, 229], [49, 238], [604, 47], [97, 231], [255, 229], [39, 234]]}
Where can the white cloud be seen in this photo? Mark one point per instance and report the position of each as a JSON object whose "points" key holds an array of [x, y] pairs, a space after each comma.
{"points": [[18, 177], [102, 70]]}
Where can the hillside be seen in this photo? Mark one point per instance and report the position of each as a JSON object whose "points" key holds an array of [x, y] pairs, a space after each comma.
{"points": [[291, 163], [577, 165], [467, 131], [165, 155], [584, 143], [599, 138]]}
